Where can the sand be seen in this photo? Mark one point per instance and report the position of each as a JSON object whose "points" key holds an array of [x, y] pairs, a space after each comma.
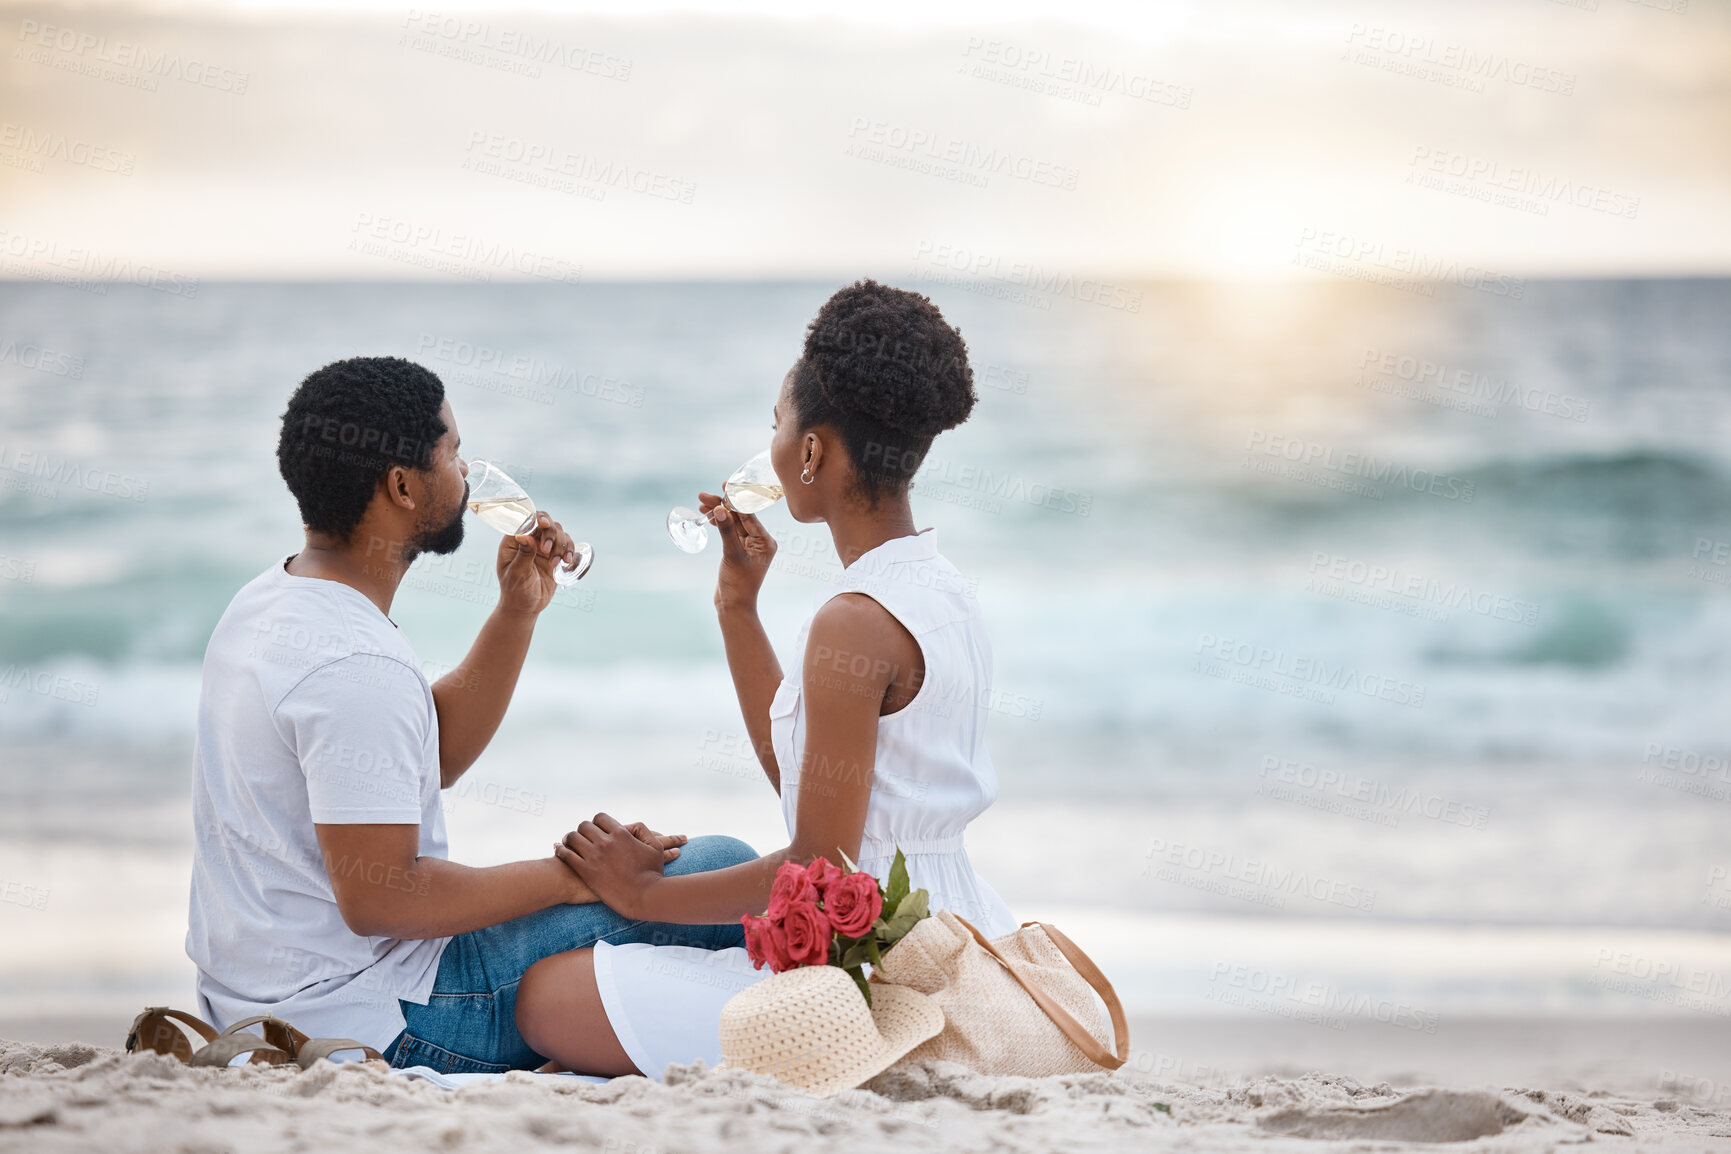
{"points": [[82, 1097]]}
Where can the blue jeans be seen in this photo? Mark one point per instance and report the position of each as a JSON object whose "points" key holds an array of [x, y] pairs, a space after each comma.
{"points": [[469, 1025]]}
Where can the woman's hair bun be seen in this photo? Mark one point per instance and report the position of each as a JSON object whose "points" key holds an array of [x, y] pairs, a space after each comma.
{"points": [[888, 354]]}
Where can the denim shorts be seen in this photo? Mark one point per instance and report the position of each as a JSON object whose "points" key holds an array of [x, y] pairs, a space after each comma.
{"points": [[469, 1026]]}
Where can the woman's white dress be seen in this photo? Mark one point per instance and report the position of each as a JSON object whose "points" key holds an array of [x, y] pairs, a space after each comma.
{"points": [[931, 777]]}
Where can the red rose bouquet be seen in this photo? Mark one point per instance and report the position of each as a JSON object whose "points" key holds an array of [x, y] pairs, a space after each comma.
{"points": [[820, 915]]}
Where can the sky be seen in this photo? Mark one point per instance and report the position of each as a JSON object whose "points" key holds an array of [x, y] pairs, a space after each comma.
{"points": [[171, 143]]}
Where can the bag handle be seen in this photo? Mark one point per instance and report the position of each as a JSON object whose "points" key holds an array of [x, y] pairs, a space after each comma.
{"points": [[1062, 1018]]}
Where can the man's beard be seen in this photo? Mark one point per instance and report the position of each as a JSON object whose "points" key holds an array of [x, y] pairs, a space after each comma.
{"points": [[440, 540]]}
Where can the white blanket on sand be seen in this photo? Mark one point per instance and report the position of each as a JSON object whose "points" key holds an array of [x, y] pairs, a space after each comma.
{"points": [[458, 1081]]}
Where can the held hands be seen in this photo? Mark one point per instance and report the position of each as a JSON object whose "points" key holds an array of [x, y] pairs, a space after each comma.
{"points": [[746, 551], [526, 562], [618, 863]]}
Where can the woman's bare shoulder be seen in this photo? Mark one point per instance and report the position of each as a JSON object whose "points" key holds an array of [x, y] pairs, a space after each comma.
{"points": [[850, 626]]}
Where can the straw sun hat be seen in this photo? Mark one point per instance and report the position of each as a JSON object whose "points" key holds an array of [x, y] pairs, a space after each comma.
{"points": [[811, 1028]]}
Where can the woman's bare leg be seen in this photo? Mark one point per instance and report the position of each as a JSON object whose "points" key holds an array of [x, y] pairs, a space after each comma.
{"points": [[560, 1016]]}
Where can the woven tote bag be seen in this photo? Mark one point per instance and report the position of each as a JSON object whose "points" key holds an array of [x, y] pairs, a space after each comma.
{"points": [[1012, 1005]]}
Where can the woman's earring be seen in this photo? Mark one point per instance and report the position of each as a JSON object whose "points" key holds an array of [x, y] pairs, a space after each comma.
{"points": [[806, 476]]}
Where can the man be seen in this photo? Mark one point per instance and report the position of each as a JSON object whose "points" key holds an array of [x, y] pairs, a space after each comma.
{"points": [[321, 888]]}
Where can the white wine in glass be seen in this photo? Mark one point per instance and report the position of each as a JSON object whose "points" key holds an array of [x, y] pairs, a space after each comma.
{"points": [[753, 488], [502, 503]]}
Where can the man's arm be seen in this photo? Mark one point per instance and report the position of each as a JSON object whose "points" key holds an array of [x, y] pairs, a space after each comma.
{"points": [[384, 889], [473, 697]]}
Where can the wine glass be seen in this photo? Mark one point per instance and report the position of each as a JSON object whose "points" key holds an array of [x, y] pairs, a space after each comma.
{"points": [[753, 488], [502, 503]]}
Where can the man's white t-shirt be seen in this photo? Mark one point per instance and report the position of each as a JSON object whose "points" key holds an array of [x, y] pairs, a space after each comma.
{"points": [[313, 709]]}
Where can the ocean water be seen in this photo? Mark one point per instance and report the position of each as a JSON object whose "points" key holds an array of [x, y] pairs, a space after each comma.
{"points": [[1366, 641]]}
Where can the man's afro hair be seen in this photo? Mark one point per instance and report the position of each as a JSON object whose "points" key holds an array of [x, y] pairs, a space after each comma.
{"points": [[346, 425]]}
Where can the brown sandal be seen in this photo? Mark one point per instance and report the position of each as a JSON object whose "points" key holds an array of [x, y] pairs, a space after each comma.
{"points": [[154, 1030], [318, 1048], [276, 1048]]}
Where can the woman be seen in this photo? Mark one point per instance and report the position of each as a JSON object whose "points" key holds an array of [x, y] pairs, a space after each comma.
{"points": [[876, 743]]}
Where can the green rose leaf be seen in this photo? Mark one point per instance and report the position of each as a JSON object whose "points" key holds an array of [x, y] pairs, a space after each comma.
{"points": [[909, 911], [898, 887], [858, 977]]}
